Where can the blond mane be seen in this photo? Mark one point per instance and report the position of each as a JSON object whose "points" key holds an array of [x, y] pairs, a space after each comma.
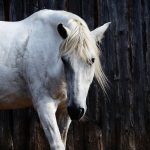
{"points": [[80, 40]]}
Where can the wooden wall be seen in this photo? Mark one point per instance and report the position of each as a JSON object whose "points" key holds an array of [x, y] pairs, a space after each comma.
{"points": [[119, 122]]}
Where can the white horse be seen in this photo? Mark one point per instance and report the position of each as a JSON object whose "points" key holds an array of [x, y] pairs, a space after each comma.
{"points": [[49, 60]]}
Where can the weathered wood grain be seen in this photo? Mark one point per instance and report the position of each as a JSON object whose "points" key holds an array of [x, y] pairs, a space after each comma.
{"points": [[123, 118]]}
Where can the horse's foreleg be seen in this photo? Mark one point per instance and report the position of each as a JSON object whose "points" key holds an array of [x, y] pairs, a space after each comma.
{"points": [[63, 121], [46, 110]]}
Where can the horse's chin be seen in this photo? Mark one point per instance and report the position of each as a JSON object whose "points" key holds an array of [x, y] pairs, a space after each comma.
{"points": [[75, 118]]}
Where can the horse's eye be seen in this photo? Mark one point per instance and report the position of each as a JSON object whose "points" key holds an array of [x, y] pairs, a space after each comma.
{"points": [[93, 60]]}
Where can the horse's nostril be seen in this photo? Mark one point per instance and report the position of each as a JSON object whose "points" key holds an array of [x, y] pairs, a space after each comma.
{"points": [[75, 113]]}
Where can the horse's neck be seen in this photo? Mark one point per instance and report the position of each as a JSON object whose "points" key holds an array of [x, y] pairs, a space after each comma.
{"points": [[57, 82]]}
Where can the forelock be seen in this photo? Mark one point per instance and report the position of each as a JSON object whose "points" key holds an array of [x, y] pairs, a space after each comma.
{"points": [[80, 41]]}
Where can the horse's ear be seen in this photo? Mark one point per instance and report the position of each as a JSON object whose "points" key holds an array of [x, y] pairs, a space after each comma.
{"points": [[63, 31], [98, 33]]}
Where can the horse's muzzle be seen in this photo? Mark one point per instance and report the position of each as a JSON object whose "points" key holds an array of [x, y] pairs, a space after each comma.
{"points": [[75, 113]]}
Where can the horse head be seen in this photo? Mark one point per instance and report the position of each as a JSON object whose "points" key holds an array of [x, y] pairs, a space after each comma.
{"points": [[80, 56]]}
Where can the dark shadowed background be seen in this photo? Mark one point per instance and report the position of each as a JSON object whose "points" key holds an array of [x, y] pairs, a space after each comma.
{"points": [[120, 122]]}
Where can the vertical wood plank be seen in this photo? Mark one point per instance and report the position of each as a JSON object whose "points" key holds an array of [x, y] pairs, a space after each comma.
{"points": [[138, 75], [6, 7], [146, 25], [75, 6], [1, 10], [20, 129], [6, 139]]}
